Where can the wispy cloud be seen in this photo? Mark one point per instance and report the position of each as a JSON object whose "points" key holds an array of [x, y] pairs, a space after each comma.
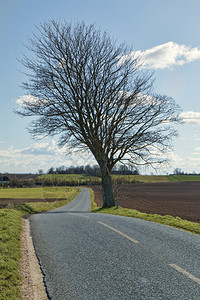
{"points": [[39, 149], [196, 151], [41, 156], [190, 118], [168, 55], [189, 163]]}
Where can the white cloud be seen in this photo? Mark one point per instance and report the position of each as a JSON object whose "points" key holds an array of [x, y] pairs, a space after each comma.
{"points": [[45, 155], [197, 151], [38, 149], [41, 156], [168, 55], [190, 118], [174, 158], [29, 99], [187, 163], [26, 99]]}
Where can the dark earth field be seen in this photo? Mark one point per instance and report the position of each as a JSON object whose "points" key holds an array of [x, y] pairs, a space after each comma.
{"points": [[178, 199]]}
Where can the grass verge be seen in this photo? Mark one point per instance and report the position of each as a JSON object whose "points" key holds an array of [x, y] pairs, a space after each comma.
{"points": [[165, 220], [10, 242]]}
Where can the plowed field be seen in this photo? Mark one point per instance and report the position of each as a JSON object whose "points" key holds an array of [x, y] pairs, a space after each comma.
{"points": [[180, 199]]}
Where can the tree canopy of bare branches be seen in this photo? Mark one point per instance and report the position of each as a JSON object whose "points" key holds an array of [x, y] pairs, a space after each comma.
{"points": [[94, 94]]}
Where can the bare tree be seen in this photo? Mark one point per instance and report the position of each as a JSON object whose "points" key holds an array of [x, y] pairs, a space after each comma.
{"points": [[94, 94]]}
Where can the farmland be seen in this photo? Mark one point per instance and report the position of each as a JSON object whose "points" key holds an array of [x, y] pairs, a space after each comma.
{"points": [[11, 196], [175, 195], [180, 199], [83, 178]]}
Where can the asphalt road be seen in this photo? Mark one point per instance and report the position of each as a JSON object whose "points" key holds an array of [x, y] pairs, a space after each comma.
{"points": [[98, 256]]}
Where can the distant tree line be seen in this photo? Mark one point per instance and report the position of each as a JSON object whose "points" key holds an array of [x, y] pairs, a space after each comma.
{"points": [[93, 170], [178, 171], [125, 170]]}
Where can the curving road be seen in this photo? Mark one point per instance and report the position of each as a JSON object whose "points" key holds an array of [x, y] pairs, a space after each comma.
{"points": [[98, 256]]}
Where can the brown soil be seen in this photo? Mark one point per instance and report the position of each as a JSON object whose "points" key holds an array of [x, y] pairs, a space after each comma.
{"points": [[180, 199], [4, 202]]}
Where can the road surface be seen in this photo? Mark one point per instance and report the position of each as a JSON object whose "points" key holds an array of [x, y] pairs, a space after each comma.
{"points": [[97, 256]]}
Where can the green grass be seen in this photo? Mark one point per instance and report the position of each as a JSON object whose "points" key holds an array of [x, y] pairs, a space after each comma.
{"points": [[68, 177], [10, 243], [140, 178], [34, 193], [175, 178], [65, 176], [156, 178], [165, 220], [123, 178], [10, 230]]}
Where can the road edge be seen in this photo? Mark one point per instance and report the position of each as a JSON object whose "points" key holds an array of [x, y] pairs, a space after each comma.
{"points": [[32, 278]]}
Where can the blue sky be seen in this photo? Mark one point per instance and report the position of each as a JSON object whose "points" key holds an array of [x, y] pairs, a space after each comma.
{"points": [[166, 33]]}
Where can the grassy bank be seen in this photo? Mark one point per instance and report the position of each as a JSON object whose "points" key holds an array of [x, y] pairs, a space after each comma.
{"points": [[165, 220], [10, 231], [68, 179], [83, 178], [10, 235], [177, 178]]}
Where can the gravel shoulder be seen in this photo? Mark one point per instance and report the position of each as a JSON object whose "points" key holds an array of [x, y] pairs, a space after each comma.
{"points": [[32, 286]]}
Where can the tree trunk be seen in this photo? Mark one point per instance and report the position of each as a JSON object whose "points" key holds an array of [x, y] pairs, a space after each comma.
{"points": [[107, 190]]}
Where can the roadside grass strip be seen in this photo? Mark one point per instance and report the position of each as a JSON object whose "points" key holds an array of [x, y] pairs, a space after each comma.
{"points": [[175, 222], [10, 232], [10, 240]]}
